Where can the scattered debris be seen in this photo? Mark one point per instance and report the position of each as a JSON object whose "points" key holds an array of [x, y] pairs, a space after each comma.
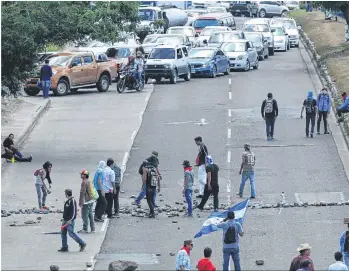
{"points": [[172, 254], [158, 254], [259, 262], [122, 266], [54, 268]]}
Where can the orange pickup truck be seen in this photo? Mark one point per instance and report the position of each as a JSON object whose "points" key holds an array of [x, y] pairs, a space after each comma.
{"points": [[74, 70]]}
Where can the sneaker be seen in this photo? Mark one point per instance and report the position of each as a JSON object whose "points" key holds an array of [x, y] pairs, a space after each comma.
{"points": [[188, 215], [311, 135], [63, 249], [268, 138], [83, 231], [318, 133], [30, 158], [271, 138], [82, 247], [327, 133], [117, 215], [45, 207], [151, 216], [93, 231], [215, 210], [307, 135], [252, 197], [98, 219], [237, 193], [199, 196]]}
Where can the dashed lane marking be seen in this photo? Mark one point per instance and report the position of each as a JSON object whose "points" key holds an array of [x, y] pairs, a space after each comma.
{"points": [[229, 133], [230, 95], [229, 112], [229, 156], [133, 135], [141, 114]]}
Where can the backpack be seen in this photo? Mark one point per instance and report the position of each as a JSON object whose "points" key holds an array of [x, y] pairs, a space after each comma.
{"points": [[140, 170], [92, 192], [230, 235], [309, 107], [346, 242], [152, 174], [269, 106]]}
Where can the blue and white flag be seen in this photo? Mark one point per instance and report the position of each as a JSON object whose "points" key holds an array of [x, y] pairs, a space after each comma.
{"points": [[210, 224]]}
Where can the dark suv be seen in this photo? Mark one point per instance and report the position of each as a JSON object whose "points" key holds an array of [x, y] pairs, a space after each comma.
{"points": [[246, 8]]}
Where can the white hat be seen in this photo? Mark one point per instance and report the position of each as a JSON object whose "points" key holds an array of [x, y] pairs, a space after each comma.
{"points": [[303, 247]]}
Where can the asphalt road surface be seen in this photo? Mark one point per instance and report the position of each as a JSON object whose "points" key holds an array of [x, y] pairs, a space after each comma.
{"points": [[291, 164]]}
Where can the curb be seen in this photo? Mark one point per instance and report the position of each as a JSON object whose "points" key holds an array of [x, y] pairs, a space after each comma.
{"points": [[30, 126]]}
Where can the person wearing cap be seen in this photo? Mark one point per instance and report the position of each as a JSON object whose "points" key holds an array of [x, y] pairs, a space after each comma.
{"points": [[68, 223], [183, 256], [310, 107], [338, 265], [247, 171], [269, 111], [188, 186], [324, 106], [343, 108], [211, 187], [201, 163], [151, 180], [86, 203], [304, 254], [139, 64], [344, 243]]}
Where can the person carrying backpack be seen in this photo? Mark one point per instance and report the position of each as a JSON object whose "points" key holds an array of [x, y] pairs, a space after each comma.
{"points": [[270, 112], [310, 107], [324, 107], [344, 244], [231, 232], [151, 179]]}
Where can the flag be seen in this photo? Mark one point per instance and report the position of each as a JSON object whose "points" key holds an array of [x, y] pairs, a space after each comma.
{"points": [[210, 224]]}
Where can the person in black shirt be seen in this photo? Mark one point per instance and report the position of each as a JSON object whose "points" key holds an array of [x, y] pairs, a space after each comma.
{"points": [[270, 112], [12, 152], [201, 163], [151, 180], [212, 186], [310, 107], [68, 223]]}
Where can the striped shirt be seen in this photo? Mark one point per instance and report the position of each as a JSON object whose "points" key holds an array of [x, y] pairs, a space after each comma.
{"points": [[182, 259]]}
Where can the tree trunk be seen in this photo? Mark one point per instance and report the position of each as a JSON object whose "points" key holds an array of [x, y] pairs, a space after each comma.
{"points": [[345, 10]]}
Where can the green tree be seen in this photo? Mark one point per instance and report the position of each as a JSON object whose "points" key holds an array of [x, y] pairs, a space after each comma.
{"points": [[335, 6]]}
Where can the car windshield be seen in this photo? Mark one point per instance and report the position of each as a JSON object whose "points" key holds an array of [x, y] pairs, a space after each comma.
{"points": [[202, 23], [209, 31], [253, 37], [278, 31], [182, 31], [199, 53], [118, 52], [216, 10], [234, 47], [256, 28], [218, 38], [146, 15], [288, 24], [170, 40], [59, 60], [150, 40], [162, 53]]}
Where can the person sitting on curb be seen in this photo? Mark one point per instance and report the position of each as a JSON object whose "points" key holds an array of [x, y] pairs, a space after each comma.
{"points": [[343, 108], [12, 153]]}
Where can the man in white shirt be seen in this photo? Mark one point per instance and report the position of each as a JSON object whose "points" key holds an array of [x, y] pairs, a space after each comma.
{"points": [[109, 187], [338, 265]]}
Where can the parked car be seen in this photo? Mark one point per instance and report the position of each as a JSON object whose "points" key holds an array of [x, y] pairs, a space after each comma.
{"points": [[246, 8], [168, 61], [214, 9], [261, 25], [242, 55], [188, 31], [208, 61], [292, 5], [272, 8], [291, 29], [193, 14], [214, 19], [206, 33], [217, 38], [260, 43], [281, 41], [74, 70]]}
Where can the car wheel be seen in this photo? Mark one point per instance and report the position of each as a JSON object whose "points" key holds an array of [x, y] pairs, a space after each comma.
{"points": [[62, 88], [174, 77], [158, 79], [214, 72], [262, 13], [271, 51], [187, 77], [261, 58], [248, 66], [227, 72], [256, 65], [103, 83], [31, 92]]}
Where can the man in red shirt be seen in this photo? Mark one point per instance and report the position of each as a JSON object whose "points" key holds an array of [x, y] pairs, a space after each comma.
{"points": [[205, 263], [304, 254]]}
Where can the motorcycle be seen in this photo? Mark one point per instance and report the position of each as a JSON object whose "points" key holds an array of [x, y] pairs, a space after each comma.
{"points": [[128, 80]]}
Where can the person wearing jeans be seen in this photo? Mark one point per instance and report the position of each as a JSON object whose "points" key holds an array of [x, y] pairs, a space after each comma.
{"points": [[86, 202], [343, 249], [40, 186], [247, 171], [98, 182], [116, 192], [324, 108], [231, 249], [109, 187], [188, 186], [310, 106], [201, 163], [343, 108], [45, 78], [269, 111]]}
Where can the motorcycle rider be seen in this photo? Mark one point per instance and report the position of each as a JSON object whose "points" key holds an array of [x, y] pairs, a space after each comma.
{"points": [[138, 65]]}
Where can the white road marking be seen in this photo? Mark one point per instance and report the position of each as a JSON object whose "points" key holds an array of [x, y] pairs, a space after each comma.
{"points": [[229, 112], [228, 187], [230, 95], [147, 98], [141, 114], [229, 156], [229, 81], [280, 211], [105, 224], [229, 133], [133, 135]]}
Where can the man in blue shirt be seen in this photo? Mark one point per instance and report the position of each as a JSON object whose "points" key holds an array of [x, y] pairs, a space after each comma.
{"points": [[343, 108], [324, 108], [183, 256], [45, 78], [231, 232], [344, 244]]}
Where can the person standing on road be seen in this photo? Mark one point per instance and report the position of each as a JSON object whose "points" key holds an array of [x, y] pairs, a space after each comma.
{"points": [[338, 265], [247, 171], [304, 254], [211, 187], [69, 216], [151, 179], [183, 256], [40, 176], [109, 187], [310, 107], [98, 182], [86, 203], [188, 186], [11, 152], [343, 108], [344, 244], [205, 263], [201, 163], [45, 78], [117, 171], [324, 106], [270, 112], [231, 232]]}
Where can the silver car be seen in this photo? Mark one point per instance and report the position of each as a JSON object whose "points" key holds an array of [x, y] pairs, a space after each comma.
{"points": [[242, 55], [281, 40], [217, 38], [260, 43]]}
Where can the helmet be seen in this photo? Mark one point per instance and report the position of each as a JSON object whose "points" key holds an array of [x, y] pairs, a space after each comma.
{"points": [[247, 146], [139, 53]]}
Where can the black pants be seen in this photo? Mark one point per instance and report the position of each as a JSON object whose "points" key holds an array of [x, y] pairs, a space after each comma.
{"points": [[341, 111], [269, 126], [101, 205], [109, 198], [322, 114], [116, 199], [308, 118], [150, 193], [9, 156], [207, 193]]}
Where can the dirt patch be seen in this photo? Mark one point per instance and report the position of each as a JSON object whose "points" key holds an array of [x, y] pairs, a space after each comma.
{"points": [[10, 105]]}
